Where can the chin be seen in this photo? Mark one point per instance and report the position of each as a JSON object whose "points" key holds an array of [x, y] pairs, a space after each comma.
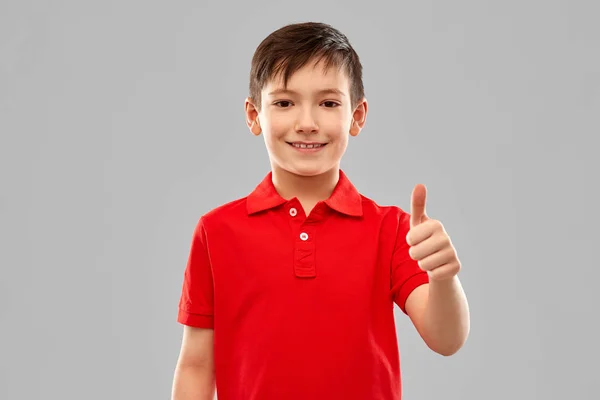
{"points": [[309, 170]]}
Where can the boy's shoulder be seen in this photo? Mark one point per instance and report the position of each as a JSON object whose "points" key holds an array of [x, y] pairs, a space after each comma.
{"points": [[372, 206], [226, 211]]}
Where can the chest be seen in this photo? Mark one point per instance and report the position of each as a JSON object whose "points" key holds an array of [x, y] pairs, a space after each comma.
{"points": [[271, 258]]}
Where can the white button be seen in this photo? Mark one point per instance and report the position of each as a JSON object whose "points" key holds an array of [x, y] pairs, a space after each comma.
{"points": [[303, 236], [293, 212]]}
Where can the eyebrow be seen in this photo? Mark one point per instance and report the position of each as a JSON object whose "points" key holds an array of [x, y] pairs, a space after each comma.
{"points": [[320, 92]]}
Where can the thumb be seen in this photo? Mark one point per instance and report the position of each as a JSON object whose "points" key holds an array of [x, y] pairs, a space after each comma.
{"points": [[417, 205]]}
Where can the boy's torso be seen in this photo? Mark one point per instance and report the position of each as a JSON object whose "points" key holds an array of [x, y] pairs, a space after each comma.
{"points": [[303, 307]]}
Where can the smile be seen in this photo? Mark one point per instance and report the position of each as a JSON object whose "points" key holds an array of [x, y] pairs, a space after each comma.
{"points": [[307, 146]]}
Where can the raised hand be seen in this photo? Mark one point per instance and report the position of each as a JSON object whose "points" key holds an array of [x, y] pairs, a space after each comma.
{"points": [[429, 243]]}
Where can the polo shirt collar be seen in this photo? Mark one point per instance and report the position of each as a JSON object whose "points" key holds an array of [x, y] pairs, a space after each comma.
{"points": [[345, 198]]}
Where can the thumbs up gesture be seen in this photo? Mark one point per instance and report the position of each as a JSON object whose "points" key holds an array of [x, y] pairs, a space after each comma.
{"points": [[429, 243]]}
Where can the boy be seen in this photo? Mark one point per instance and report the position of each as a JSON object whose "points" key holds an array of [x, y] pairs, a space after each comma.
{"points": [[289, 292]]}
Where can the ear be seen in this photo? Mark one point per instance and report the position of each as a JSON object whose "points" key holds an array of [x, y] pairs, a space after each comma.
{"points": [[252, 117], [359, 117]]}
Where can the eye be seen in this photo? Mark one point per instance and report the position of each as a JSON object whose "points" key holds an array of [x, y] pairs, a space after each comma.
{"points": [[282, 103], [332, 104]]}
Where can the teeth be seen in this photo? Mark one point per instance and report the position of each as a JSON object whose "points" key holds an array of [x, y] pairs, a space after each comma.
{"points": [[306, 146]]}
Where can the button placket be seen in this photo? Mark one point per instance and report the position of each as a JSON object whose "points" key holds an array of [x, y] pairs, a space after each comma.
{"points": [[304, 252], [304, 245]]}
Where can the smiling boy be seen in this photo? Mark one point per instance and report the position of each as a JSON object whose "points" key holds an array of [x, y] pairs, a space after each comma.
{"points": [[289, 292]]}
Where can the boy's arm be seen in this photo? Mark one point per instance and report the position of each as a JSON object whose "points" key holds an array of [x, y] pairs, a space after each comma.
{"points": [[438, 309], [440, 313], [195, 372]]}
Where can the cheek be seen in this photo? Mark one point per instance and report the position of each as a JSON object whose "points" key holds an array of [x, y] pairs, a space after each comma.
{"points": [[341, 144], [336, 122], [337, 130], [277, 127]]}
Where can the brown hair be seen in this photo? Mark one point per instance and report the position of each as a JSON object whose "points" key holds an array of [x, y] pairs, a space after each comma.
{"points": [[289, 48]]}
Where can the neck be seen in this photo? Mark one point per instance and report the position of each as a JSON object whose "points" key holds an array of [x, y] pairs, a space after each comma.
{"points": [[308, 189]]}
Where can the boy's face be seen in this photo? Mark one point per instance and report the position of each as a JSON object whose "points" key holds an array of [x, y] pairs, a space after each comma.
{"points": [[307, 114]]}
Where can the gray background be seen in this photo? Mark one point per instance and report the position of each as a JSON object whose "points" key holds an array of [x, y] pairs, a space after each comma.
{"points": [[122, 122]]}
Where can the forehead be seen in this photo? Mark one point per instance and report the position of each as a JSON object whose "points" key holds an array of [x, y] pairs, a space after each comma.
{"points": [[312, 76]]}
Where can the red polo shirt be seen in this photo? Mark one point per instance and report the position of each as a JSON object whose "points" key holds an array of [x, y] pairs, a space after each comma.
{"points": [[302, 308]]}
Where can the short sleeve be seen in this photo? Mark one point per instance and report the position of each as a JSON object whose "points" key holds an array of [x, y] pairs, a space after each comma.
{"points": [[406, 273], [196, 301]]}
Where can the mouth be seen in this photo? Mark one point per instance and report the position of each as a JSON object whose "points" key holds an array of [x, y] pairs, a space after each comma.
{"points": [[307, 145]]}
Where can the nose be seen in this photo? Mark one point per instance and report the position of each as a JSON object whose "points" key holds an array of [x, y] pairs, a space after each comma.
{"points": [[306, 123]]}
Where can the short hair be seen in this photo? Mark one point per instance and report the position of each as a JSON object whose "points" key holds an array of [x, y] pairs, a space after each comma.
{"points": [[291, 47]]}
